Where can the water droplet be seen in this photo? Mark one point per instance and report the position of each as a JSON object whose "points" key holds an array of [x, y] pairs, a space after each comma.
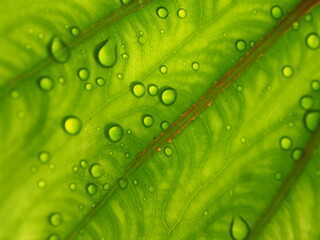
{"points": [[61, 80], [205, 213], [135, 182], [313, 40], [168, 151], [312, 120], [53, 237], [127, 155], [287, 71], [295, 26], [125, 56], [75, 169], [141, 40], [72, 125], [285, 143], [153, 90], [278, 176], [72, 186], [14, 94], [44, 157], [239, 228], [58, 50], [88, 86], [147, 120], [137, 89], [81, 207], [195, 66], [92, 189], [106, 53], [163, 69], [151, 189], [162, 12], [241, 45], [276, 12], [228, 127], [123, 183], [96, 170], [315, 85], [83, 74], [41, 183], [124, 2], [106, 186], [165, 125], [114, 132], [45, 83], [306, 102], [168, 96], [239, 88], [129, 131], [252, 43], [182, 13], [120, 76], [100, 81], [83, 163], [55, 219], [74, 31], [297, 153], [308, 17], [162, 31]]}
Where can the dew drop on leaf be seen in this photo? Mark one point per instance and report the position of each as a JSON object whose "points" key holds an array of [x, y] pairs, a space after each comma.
{"points": [[195, 66], [308, 17], [228, 127], [58, 50], [239, 88], [141, 40], [296, 153], [92, 188], [100, 81], [61, 80], [147, 120], [182, 13], [55, 219], [168, 96], [306, 102], [96, 170], [285, 143], [124, 2], [44, 157], [125, 56], [287, 71], [164, 125], [129, 131], [239, 228], [72, 125], [168, 151], [137, 89], [241, 45], [312, 120], [106, 186], [114, 132], [83, 163], [75, 169], [278, 176], [276, 12], [153, 90], [120, 76], [74, 31], [295, 26], [123, 183], [127, 155], [14, 94], [243, 140], [88, 86], [313, 40], [53, 237], [151, 189], [83, 74], [45, 83], [106, 53], [135, 181], [205, 213], [162, 12], [315, 85], [41, 183], [163, 69], [72, 186]]}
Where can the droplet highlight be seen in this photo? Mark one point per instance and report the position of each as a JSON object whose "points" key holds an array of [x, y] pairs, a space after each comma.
{"points": [[92, 189], [241, 45], [153, 90], [83, 74]]}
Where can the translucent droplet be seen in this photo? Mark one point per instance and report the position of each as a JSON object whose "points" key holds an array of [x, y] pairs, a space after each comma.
{"points": [[129, 131], [168, 151], [123, 183], [127, 155], [114, 132], [120, 76], [163, 69], [168, 96], [44, 157], [74, 31], [41, 183], [313, 40], [165, 125], [45, 83], [278, 176], [162, 12], [285, 143], [75, 169], [276, 12], [14, 94], [162, 31], [147, 120], [106, 53], [239, 88], [72, 125], [141, 40], [83, 163], [308, 17], [295, 26], [252, 43], [182, 13], [195, 66], [297, 153], [106, 186], [125, 56], [287, 71], [53, 237], [72, 186], [88, 86], [306, 102], [239, 228], [135, 182], [58, 50], [241, 45], [96, 170], [137, 89], [228, 127], [83, 74], [243, 140], [312, 120], [153, 90], [92, 189], [100, 81], [205, 213], [315, 85], [61, 80], [55, 219]]}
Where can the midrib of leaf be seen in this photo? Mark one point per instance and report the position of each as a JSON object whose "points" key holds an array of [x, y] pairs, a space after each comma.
{"points": [[205, 101]]}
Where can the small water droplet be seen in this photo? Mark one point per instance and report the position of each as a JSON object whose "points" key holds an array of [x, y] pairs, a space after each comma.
{"points": [[114, 132], [100, 81], [81, 207], [123, 183], [315, 85], [44, 157], [75, 169], [127, 155], [53, 237], [83, 74], [83, 163], [313, 40], [306, 102], [241, 45], [129, 131], [55, 219], [61, 80], [239, 228], [243, 140], [106, 53], [163, 69], [74, 31], [295, 25], [239, 88], [72, 186], [151, 189], [72, 125], [96, 170], [308, 17], [92, 189], [285, 143], [137, 89], [141, 40], [182, 13], [88, 86], [312, 120], [297, 153], [278, 176], [168, 151], [276, 12], [124, 2], [165, 125], [195, 66], [125, 56], [106, 186], [167, 96], [41, 183], [162, 31], [14, 94], [135, 181], [162, 12], [45, 83], [153, 90], [147, 120], [205, 213], [287, 71], [58, 50], [228, 127], [120, 76]]}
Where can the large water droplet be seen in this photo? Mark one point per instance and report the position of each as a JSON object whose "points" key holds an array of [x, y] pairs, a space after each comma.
{"points": [[195, 66], [106, 53], [41, 183], [168, 151], [100, 81], [83, 74], [123, 183], [152, 89], [241, 45], [58, 50], [287, 71], [168, 96], [182, 13], [147, 120], [74, 31], [72, 125], [306, 102], [53, 237], [313, 40], [96, 170], [239, 228], [285, 143], [114, 132], [162, 12], [163, 69], [297, 153], [92, 189], [312, 120], [45, 83], [55, 219], [315, 85], [137, 89], [44, 157], [276, 12]]}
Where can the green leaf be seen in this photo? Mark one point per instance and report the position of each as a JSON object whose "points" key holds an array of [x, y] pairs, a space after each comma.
{"points": [[159, 119]]}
